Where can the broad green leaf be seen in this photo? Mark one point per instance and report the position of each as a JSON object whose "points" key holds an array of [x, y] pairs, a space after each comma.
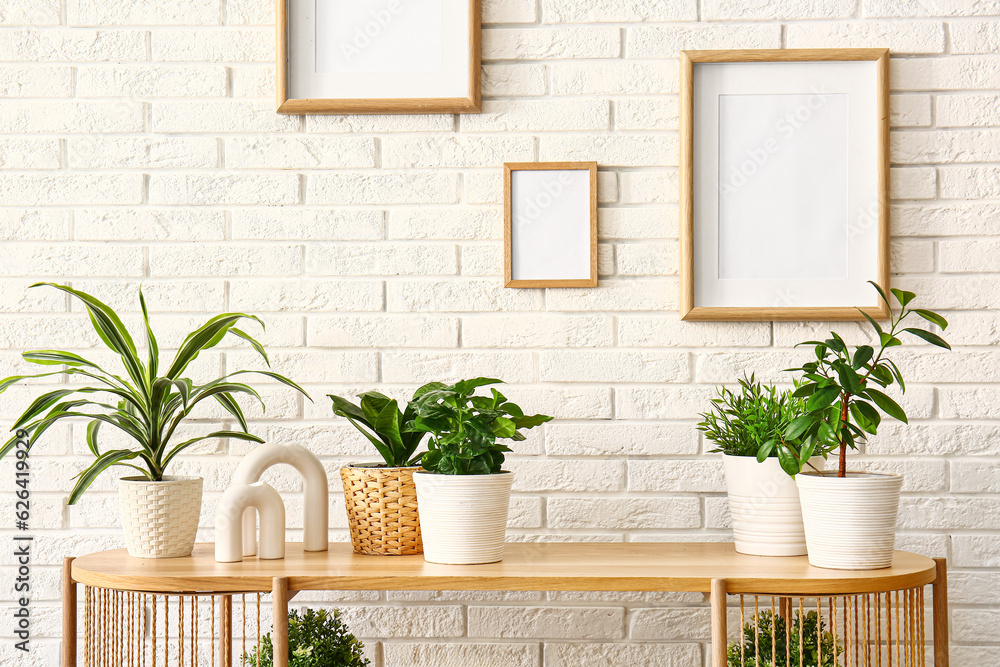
{"points": [[92, 429], [849, 379], [503, 427], [103, 462], [870, 413], [253, 342], [932, 317], [880, 291], [822, 398], [153, 349], [387, 426], [344, 408], [903, 296], [862, 356], [230, 405], [871, 321], [887, 405], [531, 421], [55, 357], [468, 386], [895, 371], [931, 338], [766, 449], [797, 427]]}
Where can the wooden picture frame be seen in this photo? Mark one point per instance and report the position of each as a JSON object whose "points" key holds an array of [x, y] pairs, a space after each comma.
{"points": [[463, 94], [707, 292], [558, 197]]}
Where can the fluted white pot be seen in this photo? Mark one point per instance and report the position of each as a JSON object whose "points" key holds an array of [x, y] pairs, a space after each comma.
{"points": [[850, 521], [463, 518], [764, 507], [160, 519]]}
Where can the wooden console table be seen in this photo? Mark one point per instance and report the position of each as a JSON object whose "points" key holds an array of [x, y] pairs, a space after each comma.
{"points": [[877, 616]]}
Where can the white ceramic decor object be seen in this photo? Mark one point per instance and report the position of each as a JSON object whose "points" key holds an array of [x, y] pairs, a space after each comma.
{"points": [[160, 519], [317, 492], [850, 522], [229, 527], [463, 518], [764, 507]]}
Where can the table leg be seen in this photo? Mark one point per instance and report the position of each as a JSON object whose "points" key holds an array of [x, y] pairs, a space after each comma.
{"points": [[279, 606], [226, 633], [68, 615], [940, 592], [719, 632]]}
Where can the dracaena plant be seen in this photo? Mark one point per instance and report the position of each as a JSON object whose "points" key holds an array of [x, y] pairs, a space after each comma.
{"points": [[465, 428], [843, 388], [379, 418], [144, 404]]}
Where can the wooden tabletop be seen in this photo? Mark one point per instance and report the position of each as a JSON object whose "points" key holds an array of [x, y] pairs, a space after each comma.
{"points": [[630, 566]]}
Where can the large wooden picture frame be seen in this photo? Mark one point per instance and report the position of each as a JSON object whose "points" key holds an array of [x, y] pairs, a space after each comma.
{"points": [[550, 224], [784, 184], [399, 57]]}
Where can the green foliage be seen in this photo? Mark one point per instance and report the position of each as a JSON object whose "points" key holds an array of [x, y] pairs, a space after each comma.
{"points": [[768, 632], [843, 389], [741, 422], [318, 638], [379, 418], [465, 428], [145, 405]]}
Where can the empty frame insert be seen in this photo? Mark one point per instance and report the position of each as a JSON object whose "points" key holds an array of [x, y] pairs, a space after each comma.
{"points": [[784, 179], [550, 230], [378, 56]]}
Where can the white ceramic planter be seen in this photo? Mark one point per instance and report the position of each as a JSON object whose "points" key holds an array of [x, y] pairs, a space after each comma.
{"points": [[850, 522], [764, 507], [160, 519], [463, 518]]}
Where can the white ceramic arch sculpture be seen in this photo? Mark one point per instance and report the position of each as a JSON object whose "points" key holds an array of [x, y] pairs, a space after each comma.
{"points": [[316, 534], [229, 522]]}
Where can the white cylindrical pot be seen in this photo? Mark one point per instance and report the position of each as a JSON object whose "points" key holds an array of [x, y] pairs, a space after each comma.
{"points": [[850, 521], [764, 507], [160, 518], [463, 518]]}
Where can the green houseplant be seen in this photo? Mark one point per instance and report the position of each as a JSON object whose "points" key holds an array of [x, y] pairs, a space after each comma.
{"points": [[763, 499], [317, 638], [766, 642], [850, 517], [381, 527], [147, 404], [463, 493]]}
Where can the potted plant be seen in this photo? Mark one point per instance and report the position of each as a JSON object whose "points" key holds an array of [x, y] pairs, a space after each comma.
{"points": [[317, 638], [763, 498], [159, 512], [380, 497], [463, 492], [850, 516], [767, 642]]}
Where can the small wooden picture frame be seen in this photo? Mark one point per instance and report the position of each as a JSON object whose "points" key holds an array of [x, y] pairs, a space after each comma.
{"points": [[550, 224], [784, 184], [378, 56]]}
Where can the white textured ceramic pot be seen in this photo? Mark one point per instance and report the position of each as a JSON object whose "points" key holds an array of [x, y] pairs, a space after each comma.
{"points": [[850, 521], [463, 518], [764, 507], [160, 518]]}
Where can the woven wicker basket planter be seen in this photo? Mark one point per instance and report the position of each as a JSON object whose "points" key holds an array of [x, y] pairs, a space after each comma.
{"points": [[160, 518], [382, 510]]}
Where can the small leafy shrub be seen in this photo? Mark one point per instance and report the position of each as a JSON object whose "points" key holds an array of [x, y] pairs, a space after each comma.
{"points": [[380, 420], [741, 422], [465, 428], [768, 631], [318, 638]]}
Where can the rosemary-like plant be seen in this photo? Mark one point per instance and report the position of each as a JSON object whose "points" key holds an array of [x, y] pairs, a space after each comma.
{"points": [[741, 422]]}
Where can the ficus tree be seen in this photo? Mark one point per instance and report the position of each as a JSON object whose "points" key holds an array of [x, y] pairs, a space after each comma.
{"points": [[843, 388]]}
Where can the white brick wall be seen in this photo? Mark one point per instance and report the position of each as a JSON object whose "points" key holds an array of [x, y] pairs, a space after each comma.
{"points": [[138, 143]]}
